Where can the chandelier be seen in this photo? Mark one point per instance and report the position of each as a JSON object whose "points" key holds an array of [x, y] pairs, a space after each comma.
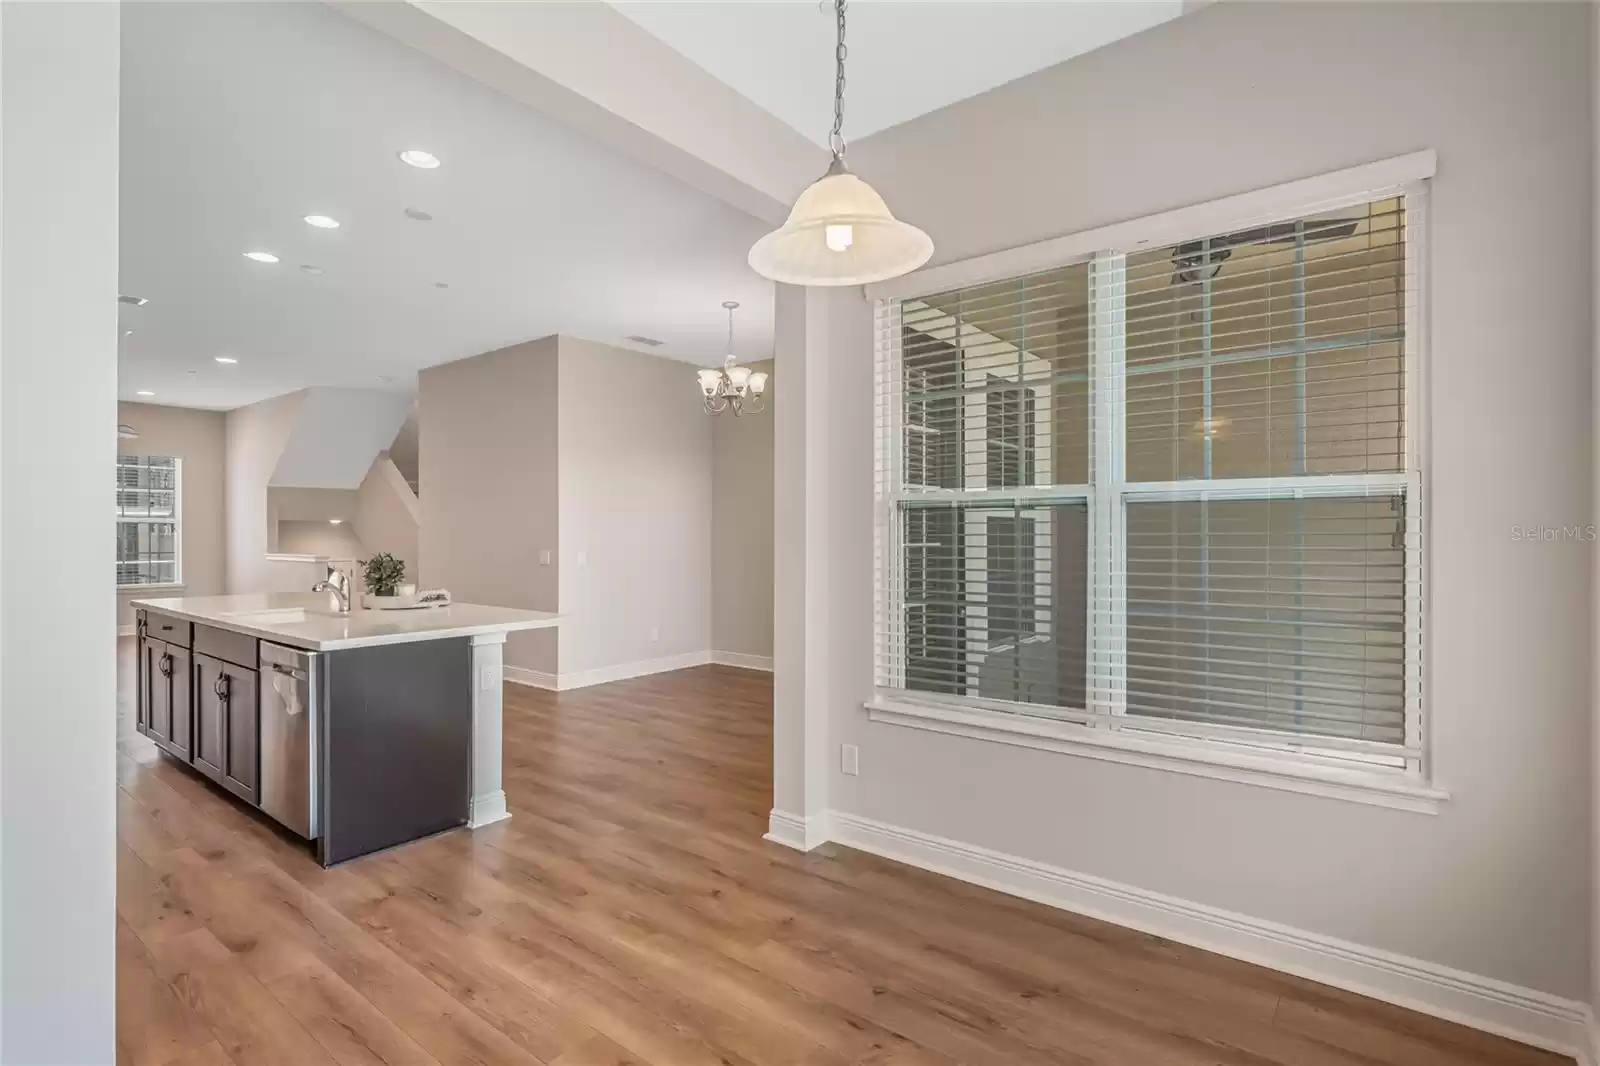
{"points": [[730, 387], [840, 231]]}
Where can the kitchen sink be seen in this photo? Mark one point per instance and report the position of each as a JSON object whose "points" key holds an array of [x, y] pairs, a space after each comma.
{"points": [[280, 616]]}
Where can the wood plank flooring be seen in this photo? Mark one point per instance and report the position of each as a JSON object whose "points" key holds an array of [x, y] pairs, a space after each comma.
{"points": [[630, 915]]}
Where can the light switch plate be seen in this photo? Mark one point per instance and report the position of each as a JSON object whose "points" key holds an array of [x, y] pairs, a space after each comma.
{"points": [[544, 556], [850, 759]]}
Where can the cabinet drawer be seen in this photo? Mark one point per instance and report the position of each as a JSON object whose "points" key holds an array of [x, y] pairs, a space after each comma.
{"points": [[226, 645], [167, 628]]}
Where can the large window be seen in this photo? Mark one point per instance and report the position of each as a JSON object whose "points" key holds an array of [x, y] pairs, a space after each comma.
{"points": [[149, 491], [1168, 492]]}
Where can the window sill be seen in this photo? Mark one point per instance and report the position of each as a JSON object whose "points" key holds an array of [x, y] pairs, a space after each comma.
{"points": [[1267, 771], [169, 586]]}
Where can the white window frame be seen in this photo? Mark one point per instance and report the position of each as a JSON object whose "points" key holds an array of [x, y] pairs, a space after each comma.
{"points": [[177, 528], [1322, 766]]}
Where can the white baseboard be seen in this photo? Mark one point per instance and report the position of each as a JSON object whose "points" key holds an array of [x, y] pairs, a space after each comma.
{"points": [[742, 661], [518, 675], [801, 834], [487, 809], [1590, 1055], [1532, 1017]]}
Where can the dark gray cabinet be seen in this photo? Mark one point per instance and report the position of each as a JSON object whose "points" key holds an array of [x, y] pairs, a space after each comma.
{"points": [[201, 705], [164, 695], [227, 725]]}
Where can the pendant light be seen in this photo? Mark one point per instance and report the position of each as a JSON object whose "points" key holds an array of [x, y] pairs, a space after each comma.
{"points": [[840, 231]]}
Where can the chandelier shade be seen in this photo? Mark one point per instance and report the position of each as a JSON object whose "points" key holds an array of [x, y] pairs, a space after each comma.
{"points": [[840, 232]]}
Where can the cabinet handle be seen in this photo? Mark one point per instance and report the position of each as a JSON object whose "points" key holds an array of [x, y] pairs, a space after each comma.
{"points": [[165, 666], [222, 686]]}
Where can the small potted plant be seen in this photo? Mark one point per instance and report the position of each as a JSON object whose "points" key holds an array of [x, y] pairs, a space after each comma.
{"points": [[384, 575]]}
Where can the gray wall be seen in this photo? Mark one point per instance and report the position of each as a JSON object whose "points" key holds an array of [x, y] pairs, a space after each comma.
{"points": [[741, 529], [635, 508], [197, 438], [1232, 98], [490, 468], [1594, 694], [58, 404]]}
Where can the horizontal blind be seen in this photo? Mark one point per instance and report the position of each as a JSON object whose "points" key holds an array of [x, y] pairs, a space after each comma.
{"points": [[1241, 561], [147, 519], [1269, 582], [1277, 351], [1285, 614], [983, 468]]}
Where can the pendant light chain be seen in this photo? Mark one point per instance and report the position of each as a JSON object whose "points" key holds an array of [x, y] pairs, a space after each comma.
{"points": [[836, 138], [839, 231]]}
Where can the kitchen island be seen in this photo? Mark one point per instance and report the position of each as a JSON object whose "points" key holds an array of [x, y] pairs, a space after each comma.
{"points": [[356, 731]]}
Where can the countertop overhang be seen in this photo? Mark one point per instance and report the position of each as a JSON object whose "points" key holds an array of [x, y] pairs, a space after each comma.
{"points": [[318, 628]]}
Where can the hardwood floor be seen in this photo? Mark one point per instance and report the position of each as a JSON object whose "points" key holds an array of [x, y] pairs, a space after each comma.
{"points": [[630, 913]]}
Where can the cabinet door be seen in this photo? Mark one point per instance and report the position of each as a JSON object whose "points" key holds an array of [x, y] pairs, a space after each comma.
{"points": [[242, 728], [157, 693], [180, 714], [210, 739]]}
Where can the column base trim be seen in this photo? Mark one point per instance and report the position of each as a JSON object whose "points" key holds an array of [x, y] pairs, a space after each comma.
{"points": [[487, 809]]}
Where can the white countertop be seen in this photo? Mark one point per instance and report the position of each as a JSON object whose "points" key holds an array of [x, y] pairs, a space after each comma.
{"points": [[307, 619]]}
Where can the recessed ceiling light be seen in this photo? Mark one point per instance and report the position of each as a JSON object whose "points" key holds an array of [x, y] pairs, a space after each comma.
{"points": [[322, 222], [416, 214], [649, 342], [144, 392], [261, 257], [441, 284], [226, 359], [418, 158], [127, 333], [314, 271], [136, 301], [335, 521]]}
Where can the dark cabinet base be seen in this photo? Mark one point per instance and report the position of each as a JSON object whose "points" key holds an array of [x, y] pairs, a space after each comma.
{"points": [[396, 745], [392, 727]]}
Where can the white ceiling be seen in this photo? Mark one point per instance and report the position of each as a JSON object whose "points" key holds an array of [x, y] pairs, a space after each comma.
{"points": [[905, 59], [239, 119]]}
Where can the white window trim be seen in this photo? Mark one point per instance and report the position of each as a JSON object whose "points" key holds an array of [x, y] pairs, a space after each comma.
{"points": [[177, 583], [1416, 788], [1269, 770]]}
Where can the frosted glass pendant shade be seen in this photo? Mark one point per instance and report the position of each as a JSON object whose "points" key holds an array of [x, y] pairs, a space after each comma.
{"points": [[840, 232]]}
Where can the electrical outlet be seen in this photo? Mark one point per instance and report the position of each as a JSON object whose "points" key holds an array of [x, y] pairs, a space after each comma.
{"points": [[850, 759], [655, 633], [486, 678], [583, 558], [544, 556]]}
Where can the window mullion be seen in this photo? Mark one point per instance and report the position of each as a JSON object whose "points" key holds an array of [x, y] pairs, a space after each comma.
{"points": [[1108, 602]]}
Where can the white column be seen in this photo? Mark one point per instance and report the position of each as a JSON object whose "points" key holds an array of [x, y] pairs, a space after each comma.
{"points": [[822, 341], [59, 68], [488, 795]]}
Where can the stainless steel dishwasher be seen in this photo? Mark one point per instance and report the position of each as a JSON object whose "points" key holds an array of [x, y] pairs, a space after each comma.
{"points": [[289, 733]]}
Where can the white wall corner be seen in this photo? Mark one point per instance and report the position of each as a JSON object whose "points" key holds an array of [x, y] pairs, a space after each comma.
{"points": [[742, 661], [1524, 1014], [801, 834], [565, 682], [518, 675]]}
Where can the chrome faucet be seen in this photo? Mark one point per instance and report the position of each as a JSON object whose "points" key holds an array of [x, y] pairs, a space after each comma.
{"points": [[338, 583]]}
